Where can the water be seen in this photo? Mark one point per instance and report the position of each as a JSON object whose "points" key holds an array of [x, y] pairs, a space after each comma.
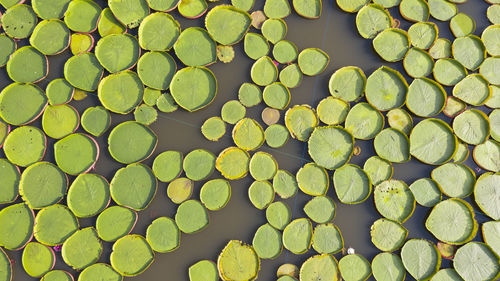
{"points": [[335, 32]]}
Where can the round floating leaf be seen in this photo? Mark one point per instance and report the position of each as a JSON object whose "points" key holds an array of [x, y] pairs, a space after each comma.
{"points": [[99, 270], [488, 70], [423, 34], [243, 4], [420, 258], [76, 153], [426, 192], [270, 116], [199, 164], [347, 83], [452, 221], [191, 216], [27, 65], [50, 37], [133, 186], [448, 72], [486, 155], [38, 259], [330, 146], [332, 111], [227, 24], [301, 120], [372, 19], [16, 226], [115, 222], [82, 16], [462, 153], [432, 141], [108, 24], [386, 89], [215, 194], [414, 10], [469, 51], [440, 49], [494, 118], [129, 12], [491, 235], [276, 135], [151, 96], [204, 270], [364, 122], [485, 187], [10, 175], [156, 69], [313, 180], [261, 194], [354, 267], [473, 89], [442, 10], [278, 214], [248, 134], [297, 236], [131, 142], [88, 195], [59, 91], [327, 239], [158, 32], [276, 95], [493, 14], [57, 275], [192, 9], [285, 184], [425, 97], [394, 200], [320, 209], [238, 261], [163, 235], [400, 119], [378, 169], [60, 120], [83, 71], [42, 184], [267, 242], [233, 111], [81, 43], [320, 267], [163, 5], [310, 9], [255, 45], [285, 52], [494, 100], [18, 21], [131, 255], [249, 94], [388, 235], [82, 249], [30, 96], [49, 9], [490, 38], [213, 128], [195, 47], [264, 71], [352, 184], [96, 120], [232, 163], [291, 76], [274, 30], [392, 145], [277, 9], [193, 88], [313, 61], [145, 114], [462, 25], [25, 145], [446, 274], [54, 224], [7, 47], [168, 165], [475, 261], [117, 52], [388, 266], [165, 103], [472, 126], [418, 63], [391, 44], [263, 166]]}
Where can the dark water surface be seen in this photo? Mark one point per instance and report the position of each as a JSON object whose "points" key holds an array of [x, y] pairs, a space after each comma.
{"points": [[335, 32]]}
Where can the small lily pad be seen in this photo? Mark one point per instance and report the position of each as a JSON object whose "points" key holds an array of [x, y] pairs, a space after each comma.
{"points": [[264, 71], [352, 184], [278, 214], [440, 49], [262, 166], [285, 184], [27, 65], [10, 175], [76, 153], [270, 116], [57, 275], [320, 267], [267, 242], [167, 166], [297, 236], [195, 47], [473, 89], [378, 169], [313, 180], [82, 16], [462, 25], [96, 120], [320, 209], [180, 190], [248, 134], [291, 76], [332, 111], [491, 235], [199, 164], [493, 14], [330, 146], [347, 83], [42, 184], [423, 34], [386, 89], [487, 69], [25, 145], [213, 128], [145, 114], [277, 9], [193, 88], [485, 186], [30, 96], [108, 24], [18, 21], [425, 97], [373, 19], [432, 141], [354, 267], [490, 39], [442, 10], [232, 163], [191, 216], [446, 274], [192, 9], [215, 194], [391, 44], [276, 95], [388, 235], [448, 72], [50, 37], [256, 45], [232, 112], [388, 266], [129, 12], [54, 224], [83, 71], [99, 270], [38, 259], [16, 222], [274, 30], [166, 103], [327, 239], [158, 32], [59, 121], [392, 145], [276, 135], [7, 47], [163, 235], [225, 54], [426, 192], [156, 70], [454, 106], [285, 52], [486, 155], [131, 255], [244, 5], [131, 142], [414, 10], [88, 195], [310, 9], [261, 194], [115, 222], [238, 261], [133, 186], [204, 270], [400, 119], [117, 52], [301, 120], [475, 261], [47, 9], [469, 51], [227, 24], [364, 122], [313, 61], [82, 249], [420, 258], [249, 94], [418, 63], [394, 200], [351, 6], [59, 91], [472, 126]]}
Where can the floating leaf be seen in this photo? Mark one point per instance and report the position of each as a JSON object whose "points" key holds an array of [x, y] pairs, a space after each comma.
{"points": [[227, 24], [131, 255], [297, 236], [115, 222], [394, 200], [432, 141], [420, 258], [38, 259], [42, 184], [388, 235], [238, 261], [82, 249], [163, 235], [131, 142], [475, 261]]}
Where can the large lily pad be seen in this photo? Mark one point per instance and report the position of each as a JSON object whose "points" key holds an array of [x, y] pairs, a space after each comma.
{"points": [[248, 134], [327, 239], [364, 122], [347, 83], [310, 9], [425, 97], [133, 186], [131, 142], [193, 87], [432, 141], [30, 96], [163, 235], [297, 236], [195, 47], [238, 261], [386, 89], [475, 261], [82, 15], [392, 145], [267, 242], [129, 12], [301, 120], [88, 195], [486, 196], [76, 153], [83, 71], [392, 44], [38, 259], [54, 224], [388, 266], [25, 145], [117, 52], [227, 24], [469, 51], [19, 20], [388, 235], [320, 267], [352, 184], [420, 258], [115, 222], [331, 146], [394, 200], [42, 184], [354, 267], [27, 65], [16, 226], [131, 255], [486, 155], [371, 20], [82, 249], [158, 32]]}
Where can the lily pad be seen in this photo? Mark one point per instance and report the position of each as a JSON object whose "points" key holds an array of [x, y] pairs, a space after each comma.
{"points": [[192, 9], [163, 235], [264, 72], [30, 96], [386, 89], [57, 275], [115, 222], [414, 10], [82, 249], [418, 63], [347, 83], [276, 135], [364, 122], [394, 200], [8, 46], [50, 37], [354, 267], [27, 65], [462, 153], [54, 224], [297, 236], [10, 175], [454, 106], [193, 88], [313, 180], [204, 270], [277, 9], [133, 186], [309, 9], [108, 24], [473, 89], [38, 259], [256, 45], [491, 235], [88, 195], [131, 142], [232, 112], [285, 52], [238, 261], [16, 222], [248, 134], [426, 191], [448, 72], [156, 70], [462, 25], [18, 21], [199, 164], [249, 94], [215, 194], [129, 12], [99, 270], [400, 119], [423, 34], [191, 216], [442, 10], [420, 258], [472, 126], [388, 235], [213, 128], [291, 76], [494, 100], [488, 71], [48, 10], [81, 43], [167, 166], [485, 186], [388, 266], [25, 145], [320, 267], [131, 255], [83, 71], [446, 274], [373, 19], [320, 209], [263, 166], [313, 61], [331, 146], [426, 97], [244, 5], [82, 16], [327, 239], [490, 39], [432, 141], [117, 52], [96, 120], [392, 145], [261, 194], [378, 169], [42, 184], [469, 51], [301, 120], [352, 184], [158, 32], [475, 261], [227, 24], [278, 214], [59, 91], [232, 163], [332, 111], [486, 155], [493, 14], [391, 44], [267, 242], [285, 184], [440, 49], [274, 30], [60, 120], [76, 153]]}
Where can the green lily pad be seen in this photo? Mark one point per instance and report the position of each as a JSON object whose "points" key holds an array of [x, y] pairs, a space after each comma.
{"points": [[16, 222], [278, 214], [354, 268], [332, 111], [133, 186], [347, 83], [442, 10], [151, 96], [27, 65], [469, 51], [351, 6], [163, 235], [131, 255], [285, 184], [274, 30], [117, 52], [30, 96], [364, 122], [448, 72], [446, 274], [426, 191], [491, 235], [25, 145], [452, 221], [313, 61], [400, 119], [301, 120], [249, 94], [423, 34], [388, 235], [191, 216], [248, 134], [18, 21], [232, 112], [145, 114], [485, 186], [462, 153], [129, 12], [494, 100], [163, 5], [394, 200], [256, 45], [414, 10], [180, 190], [462, 25], [225, 54], [108, 24], [131, 142], [494, 118], [192, 9], [320, 209], [291, 76], [81, 43], [204, 270], [488, 71], [50, 37], [490, 39], [276, 135], [297, 236], [276, 95], [59, 91], [391, 44], [244, 5], [158, 32], [38, 259], [96, 120], [277, 9], [232, 163], [88, 195], [313, 180], [285, 52], [156, 70], [227, 24], [352, 184], [10, 175], [330, 146], [472, 126], [47, 9], [42, 184], [83, 71], [388, 266], [54, 224], [309, 9], [432, 141], [486, 155], [418, 63], [199, 164], [493, 14], [76, 153], [392, 145], [267, 242], [264, 72], [82, 16], [320, 267], [426, 97], [238, 261], [115, 222], [386, 89], [7, 47], [99, 270], [327, 239], [215, 194], [82, 249], [213, 128], [378, 169], [440, 49], [57, 275], [166, 103], [420, 258], [59, 121], [262, 166], [473, 89], [372, 19], [261, 194], [475, 261], [193, 88]]}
